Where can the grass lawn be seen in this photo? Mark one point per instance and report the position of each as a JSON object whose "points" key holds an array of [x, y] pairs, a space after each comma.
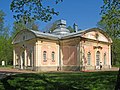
{"points": [[6, 67], [61, 81]]}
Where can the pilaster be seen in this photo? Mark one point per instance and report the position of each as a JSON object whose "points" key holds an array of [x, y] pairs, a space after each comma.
{"points": [[109, 55], [14, 59]]}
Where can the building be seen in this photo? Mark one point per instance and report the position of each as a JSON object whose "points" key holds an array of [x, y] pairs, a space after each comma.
{"points": [[62, 50]]}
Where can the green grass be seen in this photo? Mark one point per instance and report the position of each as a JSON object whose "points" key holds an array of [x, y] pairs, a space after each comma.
{"points": [[6, 67], [61, 81]]}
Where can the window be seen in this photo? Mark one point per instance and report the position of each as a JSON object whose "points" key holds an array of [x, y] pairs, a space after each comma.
{"points": [[104, 58], [53, 56], [97, 58], [23, 37], [89, 58], [96, 35], [44, 56]]}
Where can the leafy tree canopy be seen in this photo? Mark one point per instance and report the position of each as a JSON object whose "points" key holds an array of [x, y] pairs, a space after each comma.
{"points": [[18, 26], [70, 29], [5, 41], [52, 26], [110, 22], [32, 9], [111, 17], [2, 14]]}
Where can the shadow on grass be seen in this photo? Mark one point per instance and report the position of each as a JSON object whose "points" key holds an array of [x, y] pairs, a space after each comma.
{"points": [[7, 86], [61, 81]]}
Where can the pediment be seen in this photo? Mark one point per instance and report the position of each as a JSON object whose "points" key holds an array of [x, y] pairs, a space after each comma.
{"points": [[97, 35], [23, 36]]}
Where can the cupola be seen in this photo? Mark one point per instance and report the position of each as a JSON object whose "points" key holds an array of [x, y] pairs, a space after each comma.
{"points": [[61, 28]]}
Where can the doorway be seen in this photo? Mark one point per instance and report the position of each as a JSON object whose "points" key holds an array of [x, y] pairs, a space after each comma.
{"points": [[97, 59]]}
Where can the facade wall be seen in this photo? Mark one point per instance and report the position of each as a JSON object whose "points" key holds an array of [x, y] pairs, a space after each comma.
{"points": [[33, 55], [70, 54], [93, 47], [50, 47]]}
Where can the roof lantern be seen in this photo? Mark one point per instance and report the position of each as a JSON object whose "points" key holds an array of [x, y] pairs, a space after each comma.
{"points": [[61, 28]]}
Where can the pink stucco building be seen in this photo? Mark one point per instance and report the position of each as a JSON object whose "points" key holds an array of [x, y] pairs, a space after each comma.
{"points": [[62, 50]]}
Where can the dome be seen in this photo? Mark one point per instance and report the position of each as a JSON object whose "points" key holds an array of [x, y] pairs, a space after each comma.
{"points": [[61, 28]]}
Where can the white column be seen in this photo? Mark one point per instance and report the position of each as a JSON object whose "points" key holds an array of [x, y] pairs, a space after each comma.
{"points": [[14, 59], [21, 62], [109, 55], [32, 62], [78, 54], [35, 56], [61, 56], [58, 56], [39, 55], [37, 51], [25, 61]]}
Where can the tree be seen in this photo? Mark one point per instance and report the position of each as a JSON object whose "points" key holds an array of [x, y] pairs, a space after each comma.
{"points": [[32, 9], [2, 14], [111, 17], [110, 22], [5, 41], [32, 25], [70, 29], [18, 26], [52, 26], [6, 50]]}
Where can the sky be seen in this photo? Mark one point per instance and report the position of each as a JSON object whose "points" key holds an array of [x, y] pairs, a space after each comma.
{"points": [[85, 13]]}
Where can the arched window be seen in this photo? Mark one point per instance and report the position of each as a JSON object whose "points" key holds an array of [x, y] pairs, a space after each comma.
{"points": [[104, 58], [89, 58], [23, 37], [44, 56], [97, 58], [53, 56]]}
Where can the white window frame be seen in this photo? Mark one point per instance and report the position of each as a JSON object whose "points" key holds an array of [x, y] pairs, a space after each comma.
{"points": [[105, 58], [89, 58], [44, 56], [53, 56], [97, 58]]}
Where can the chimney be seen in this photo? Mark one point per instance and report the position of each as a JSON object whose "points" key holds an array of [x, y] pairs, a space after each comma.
{"points": [[75, 27]]}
